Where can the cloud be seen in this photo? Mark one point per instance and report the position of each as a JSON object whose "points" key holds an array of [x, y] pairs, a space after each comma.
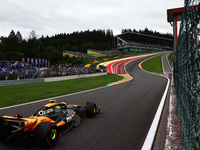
{"points": [[50, 17]]}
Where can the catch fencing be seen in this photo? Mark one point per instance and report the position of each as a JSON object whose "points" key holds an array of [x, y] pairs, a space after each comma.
{"points": [[187, 75]]}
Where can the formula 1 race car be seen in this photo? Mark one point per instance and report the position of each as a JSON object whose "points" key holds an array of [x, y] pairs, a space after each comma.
{"points": [[47, 124]]}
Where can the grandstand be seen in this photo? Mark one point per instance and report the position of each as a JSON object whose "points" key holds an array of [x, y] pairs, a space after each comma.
{"points": [[96, 53], [91, 53], [137, 42], [76, 54], [106, 53]]}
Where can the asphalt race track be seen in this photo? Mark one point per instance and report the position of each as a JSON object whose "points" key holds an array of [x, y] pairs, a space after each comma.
{"points": [[127, 112]]}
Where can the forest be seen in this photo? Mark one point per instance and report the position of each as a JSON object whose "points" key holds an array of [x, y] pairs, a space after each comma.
{"points": [[14, 47]]}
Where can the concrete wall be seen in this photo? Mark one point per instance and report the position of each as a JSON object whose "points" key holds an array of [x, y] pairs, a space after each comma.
{"points": [[72, 77], [22, 81], [52, 79]]}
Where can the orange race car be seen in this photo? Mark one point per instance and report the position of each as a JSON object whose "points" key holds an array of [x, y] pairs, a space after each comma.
{"points": [[47, 124]]}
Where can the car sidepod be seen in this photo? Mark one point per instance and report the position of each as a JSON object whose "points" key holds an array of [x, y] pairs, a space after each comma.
{"points": [[70, 119]]}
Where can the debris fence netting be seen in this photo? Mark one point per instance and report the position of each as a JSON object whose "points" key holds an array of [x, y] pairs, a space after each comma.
{"points": [[187, 76]]}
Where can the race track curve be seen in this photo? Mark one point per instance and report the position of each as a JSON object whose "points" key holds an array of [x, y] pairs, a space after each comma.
{"points": [[127, 113]]}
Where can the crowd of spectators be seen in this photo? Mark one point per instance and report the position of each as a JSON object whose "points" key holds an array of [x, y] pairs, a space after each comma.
{"points": [[89, 55], [15, 69], [106, 53], [79, 54], [65, 71], [19, 70], [16, 66]]}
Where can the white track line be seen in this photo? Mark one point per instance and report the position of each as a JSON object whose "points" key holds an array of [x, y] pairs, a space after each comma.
{"points": [[37, 101], [151, 134], [152, 131]]}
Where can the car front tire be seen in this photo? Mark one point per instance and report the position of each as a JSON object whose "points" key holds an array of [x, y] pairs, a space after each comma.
{"points": [[91, 109]]}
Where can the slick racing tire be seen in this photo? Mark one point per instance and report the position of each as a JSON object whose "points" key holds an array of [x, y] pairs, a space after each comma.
{"points": [[46, 134], [91, 109]]}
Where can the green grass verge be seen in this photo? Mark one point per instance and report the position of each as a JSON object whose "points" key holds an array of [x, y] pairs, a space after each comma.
{"points": [[171, 59], [153, 65], [16, 94]]}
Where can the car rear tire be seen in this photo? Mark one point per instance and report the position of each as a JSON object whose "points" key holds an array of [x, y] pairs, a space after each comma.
{"points": [[46, 134], [91, 109]]}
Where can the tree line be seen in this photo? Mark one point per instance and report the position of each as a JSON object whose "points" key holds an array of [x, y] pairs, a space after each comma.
{"points": [[14, 46]]}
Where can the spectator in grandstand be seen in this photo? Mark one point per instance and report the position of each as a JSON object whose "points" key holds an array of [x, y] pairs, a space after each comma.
{"points": [[2, 63]]}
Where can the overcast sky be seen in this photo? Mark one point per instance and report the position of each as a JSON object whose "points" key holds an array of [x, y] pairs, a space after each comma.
{"points": [[50, 17]]}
